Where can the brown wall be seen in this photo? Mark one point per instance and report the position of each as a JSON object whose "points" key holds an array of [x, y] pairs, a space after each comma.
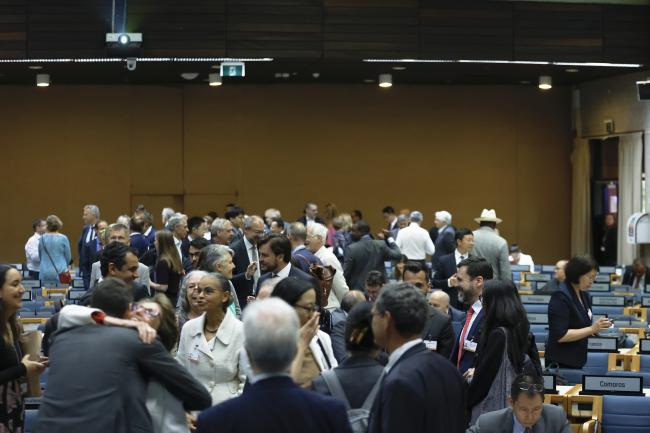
{"points": [[460, 148]]}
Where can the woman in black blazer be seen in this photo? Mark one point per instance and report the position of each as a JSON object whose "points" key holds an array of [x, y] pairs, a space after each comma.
{"points": [[359, 372], [569, 315]]}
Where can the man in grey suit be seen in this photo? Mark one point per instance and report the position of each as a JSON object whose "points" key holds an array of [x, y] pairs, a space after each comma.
{"points": [[492, 247], [98, 375], [366, 254], [527, 414]]}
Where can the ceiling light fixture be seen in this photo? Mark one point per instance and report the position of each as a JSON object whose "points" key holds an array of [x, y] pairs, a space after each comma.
{"points": [[42, 80], [189, 75], [545, 82], [385, 80], [214, 80]]}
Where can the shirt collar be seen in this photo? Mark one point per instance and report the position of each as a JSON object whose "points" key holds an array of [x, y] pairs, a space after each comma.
{"points": [[399, 352], [442, 229], [477, 306], [263, 376], [146, 232], [284, 273], [516, 425], [248, 243], [458, 254], [225, 331], [177, 241]]}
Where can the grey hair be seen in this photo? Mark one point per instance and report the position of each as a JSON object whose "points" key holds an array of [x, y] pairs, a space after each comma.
{"points": [[416, 216], [124, 220], [317, 229], [118, 226], [402, 218], [93, 209], [167, 213], [272, 213], [249, 220], [215, 253], [173, 221], [217, 225], [182, 303], [271, 329], [297, 231]]}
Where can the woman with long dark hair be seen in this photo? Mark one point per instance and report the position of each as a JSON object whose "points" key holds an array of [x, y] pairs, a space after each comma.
{"points": [[169, 266], [503, 348], [14, 367]]}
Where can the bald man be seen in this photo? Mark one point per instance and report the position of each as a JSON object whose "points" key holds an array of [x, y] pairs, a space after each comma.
{"points": [[339, 317], [558, 278], [439, 300]]}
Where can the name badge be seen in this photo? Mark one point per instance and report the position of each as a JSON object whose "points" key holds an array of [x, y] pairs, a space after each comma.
{"points": [[194, 355], [431, 345], [470, 346]]}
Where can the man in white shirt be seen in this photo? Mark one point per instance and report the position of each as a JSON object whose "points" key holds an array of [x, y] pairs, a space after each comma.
{"points": [[519, 258], [31, 248], [316, 237], [414, 241]]}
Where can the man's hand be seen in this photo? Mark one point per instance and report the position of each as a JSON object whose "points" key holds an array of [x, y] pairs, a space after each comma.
{"points": [[250, 270]]}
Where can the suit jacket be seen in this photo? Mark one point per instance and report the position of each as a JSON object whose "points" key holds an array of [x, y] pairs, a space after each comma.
{"points": [[565, 312], [553, 420], [293, 272], [493, 248], [276, 405], [86, 250], [628, 277], [445, 244], [139, 243], [109, 392], [243, 287], [446, 268], [304, 258], [367, 255], [550, 287], [338, 317], [422, 392], [358, 374], [438, 328], [468, 358], [456, 315], [303, 219]]}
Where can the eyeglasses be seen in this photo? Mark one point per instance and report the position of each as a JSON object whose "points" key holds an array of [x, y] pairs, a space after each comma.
{"points": [[206, 290], [150, 313], [308, 308], [530, 386]]}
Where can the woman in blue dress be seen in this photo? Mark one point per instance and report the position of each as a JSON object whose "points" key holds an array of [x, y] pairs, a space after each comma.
{"points": [[54, 251]]}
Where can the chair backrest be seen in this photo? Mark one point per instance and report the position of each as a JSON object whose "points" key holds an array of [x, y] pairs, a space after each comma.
{"points": [[645, 363], [643, 374], [610, 311], [596, 363], [622, 414], [539, 328], [536, 308], [30, 420]]}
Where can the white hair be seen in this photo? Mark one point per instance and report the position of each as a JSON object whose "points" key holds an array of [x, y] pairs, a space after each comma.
{"points": [[271, 329], [214, 254], [317, 229], [444, 216], [249, 220], [416, 216], [125, 220], [167, 213], [174, 220], [217, 225], [93, 209], [272, 213]]}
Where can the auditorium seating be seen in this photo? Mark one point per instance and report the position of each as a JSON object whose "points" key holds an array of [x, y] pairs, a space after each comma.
{"points": [[622, 414], [30, 420]]}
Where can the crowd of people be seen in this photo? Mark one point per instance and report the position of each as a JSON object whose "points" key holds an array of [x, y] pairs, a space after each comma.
{"points": [[252, 323]]}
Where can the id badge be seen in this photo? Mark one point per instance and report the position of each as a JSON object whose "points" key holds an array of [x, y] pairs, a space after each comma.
{"points": [[469, 346], [431, 345], [194, 355]]}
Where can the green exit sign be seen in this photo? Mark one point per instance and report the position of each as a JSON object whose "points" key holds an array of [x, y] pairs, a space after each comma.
{"points": [[233, 69]]}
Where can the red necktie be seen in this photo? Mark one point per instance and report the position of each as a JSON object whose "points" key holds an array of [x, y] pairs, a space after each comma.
{"points": [[461, 342]]}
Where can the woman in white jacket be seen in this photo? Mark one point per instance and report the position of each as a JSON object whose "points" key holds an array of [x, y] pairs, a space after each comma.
{"points": [[209, 346], [315, 352]]}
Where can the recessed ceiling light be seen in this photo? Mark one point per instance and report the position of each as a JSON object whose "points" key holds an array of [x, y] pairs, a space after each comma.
{"points": [[35, 67], [385, 81], [399, 68], [545, 82], [572, 70], [189, 75], [278, 75]]}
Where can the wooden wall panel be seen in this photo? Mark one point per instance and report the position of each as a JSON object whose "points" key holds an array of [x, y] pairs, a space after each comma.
{"points": [[626, 33], [288, 29], [183, 28], [13, 29], [362, 29], [461, 30], [560, 32]]}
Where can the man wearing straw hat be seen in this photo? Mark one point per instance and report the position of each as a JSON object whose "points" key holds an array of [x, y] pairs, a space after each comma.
{"points": [[492, 247]]}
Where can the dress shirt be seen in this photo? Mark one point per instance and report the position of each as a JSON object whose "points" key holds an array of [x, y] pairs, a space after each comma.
{"points": [[178, 244], [399, 352], [414, 242], [146, 232], [637, 283], [457, 255], [524, 260], [31, 253], [90, 235], [516, 426], [284, 273], [477, 306], [251, 259]]}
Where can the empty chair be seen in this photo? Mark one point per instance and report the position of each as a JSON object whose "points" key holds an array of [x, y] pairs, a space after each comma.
{"points": [[622, 414], [645, 363], [597, 363], [610, 311], [30, 420]]}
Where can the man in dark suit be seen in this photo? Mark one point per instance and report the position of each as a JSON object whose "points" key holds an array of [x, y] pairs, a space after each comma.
{"points": [[311, 215], [108, 394], [438, 335], [236, 217], [421, 391], [637, 275], [339, 317], [444, 243], [275, 261], [472, 274], [273, 403], [366, 254], [447, 265], [301, 256], [391, 221], [246, 258], [439, 300], [554, 285], [88, 243], [527, 412]]}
